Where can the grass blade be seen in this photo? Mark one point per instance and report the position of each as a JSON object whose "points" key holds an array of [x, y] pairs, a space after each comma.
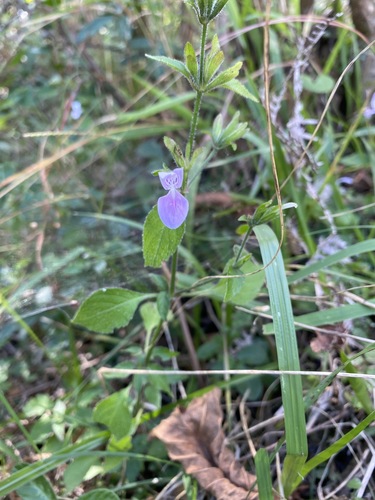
{"points": [[37, 469], [262, 466], [287, 353], [356, 249]]}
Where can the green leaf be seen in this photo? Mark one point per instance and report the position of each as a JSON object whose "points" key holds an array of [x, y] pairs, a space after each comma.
{"points": [[214, 60], [75, 472], [313, 394], [224, 77], [175, 151], [240, 89], [213, 65], [358, 385], [287, 355], [233, 286], [159, 242], [218, 7], [115, 414], [37, 469], [321, 85], [150, 316], [100, 494], [191, 61], [328, 316], [353, 250], [163, 303], [253, 279], [39, 489], [109, 308], [172, 63], [334, 448], [264, 481]]}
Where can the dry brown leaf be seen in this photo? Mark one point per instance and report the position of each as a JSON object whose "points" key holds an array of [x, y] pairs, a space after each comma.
{"points": [[329, 343], [194, 437]]}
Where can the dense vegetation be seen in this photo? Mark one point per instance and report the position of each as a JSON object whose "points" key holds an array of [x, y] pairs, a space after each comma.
{"points": [[84, 116]]}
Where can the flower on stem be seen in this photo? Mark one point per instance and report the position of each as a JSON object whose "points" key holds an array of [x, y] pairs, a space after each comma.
{"points": [[173, 207]]}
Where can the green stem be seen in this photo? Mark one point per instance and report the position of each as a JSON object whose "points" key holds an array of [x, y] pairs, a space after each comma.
{"points": [[242, 246], [153, 341], [172, 284], [198, 98], [227, 322], [202, 54], [193, 126]]}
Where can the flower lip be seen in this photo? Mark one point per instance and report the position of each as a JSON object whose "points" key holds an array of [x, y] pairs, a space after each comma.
{"points": [[173, 179], [173, 209]]}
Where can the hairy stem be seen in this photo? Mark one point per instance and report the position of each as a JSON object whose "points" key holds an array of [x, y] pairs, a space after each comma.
{"points": [[198, 98]]}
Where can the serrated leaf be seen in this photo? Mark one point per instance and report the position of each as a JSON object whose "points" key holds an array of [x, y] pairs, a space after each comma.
{"points": [[159, 242], [224, 77], [172, 63], [115, 414], [108, 309], [240, 89]]}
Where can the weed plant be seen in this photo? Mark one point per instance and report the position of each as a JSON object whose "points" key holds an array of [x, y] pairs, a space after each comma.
{"points": [[187, 251]]}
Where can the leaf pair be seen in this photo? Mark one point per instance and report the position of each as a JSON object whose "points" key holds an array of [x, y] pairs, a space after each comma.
{"points": [[207, 82]]}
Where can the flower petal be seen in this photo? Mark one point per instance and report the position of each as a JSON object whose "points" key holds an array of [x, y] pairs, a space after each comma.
{"points": [[172, 179], [173, 209]]}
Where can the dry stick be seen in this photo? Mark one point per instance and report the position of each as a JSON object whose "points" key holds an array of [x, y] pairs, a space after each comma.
{"points": [[135, 371]]}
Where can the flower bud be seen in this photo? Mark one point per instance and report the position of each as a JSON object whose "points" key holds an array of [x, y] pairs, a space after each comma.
{"points": [[206, 10]]}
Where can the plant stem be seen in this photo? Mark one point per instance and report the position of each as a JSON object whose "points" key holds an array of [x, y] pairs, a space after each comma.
{"points": [[198, 98], [193, 126], [227, 322], [242, 246], [202, 53], [153, 341], [172, 283]]}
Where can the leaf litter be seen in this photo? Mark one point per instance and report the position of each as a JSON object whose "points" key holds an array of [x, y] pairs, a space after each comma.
{"points": [[194, 437]]}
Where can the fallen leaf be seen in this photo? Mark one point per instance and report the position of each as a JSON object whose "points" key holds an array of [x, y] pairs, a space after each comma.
{"points": [[329, 343], [194, 437]]}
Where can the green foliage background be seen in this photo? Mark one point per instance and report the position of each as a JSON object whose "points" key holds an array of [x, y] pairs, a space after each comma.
{"points": [[74, 194]]}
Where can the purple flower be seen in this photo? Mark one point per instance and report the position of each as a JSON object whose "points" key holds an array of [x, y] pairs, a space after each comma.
{"points": [[370, 110], [173, 207]]}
